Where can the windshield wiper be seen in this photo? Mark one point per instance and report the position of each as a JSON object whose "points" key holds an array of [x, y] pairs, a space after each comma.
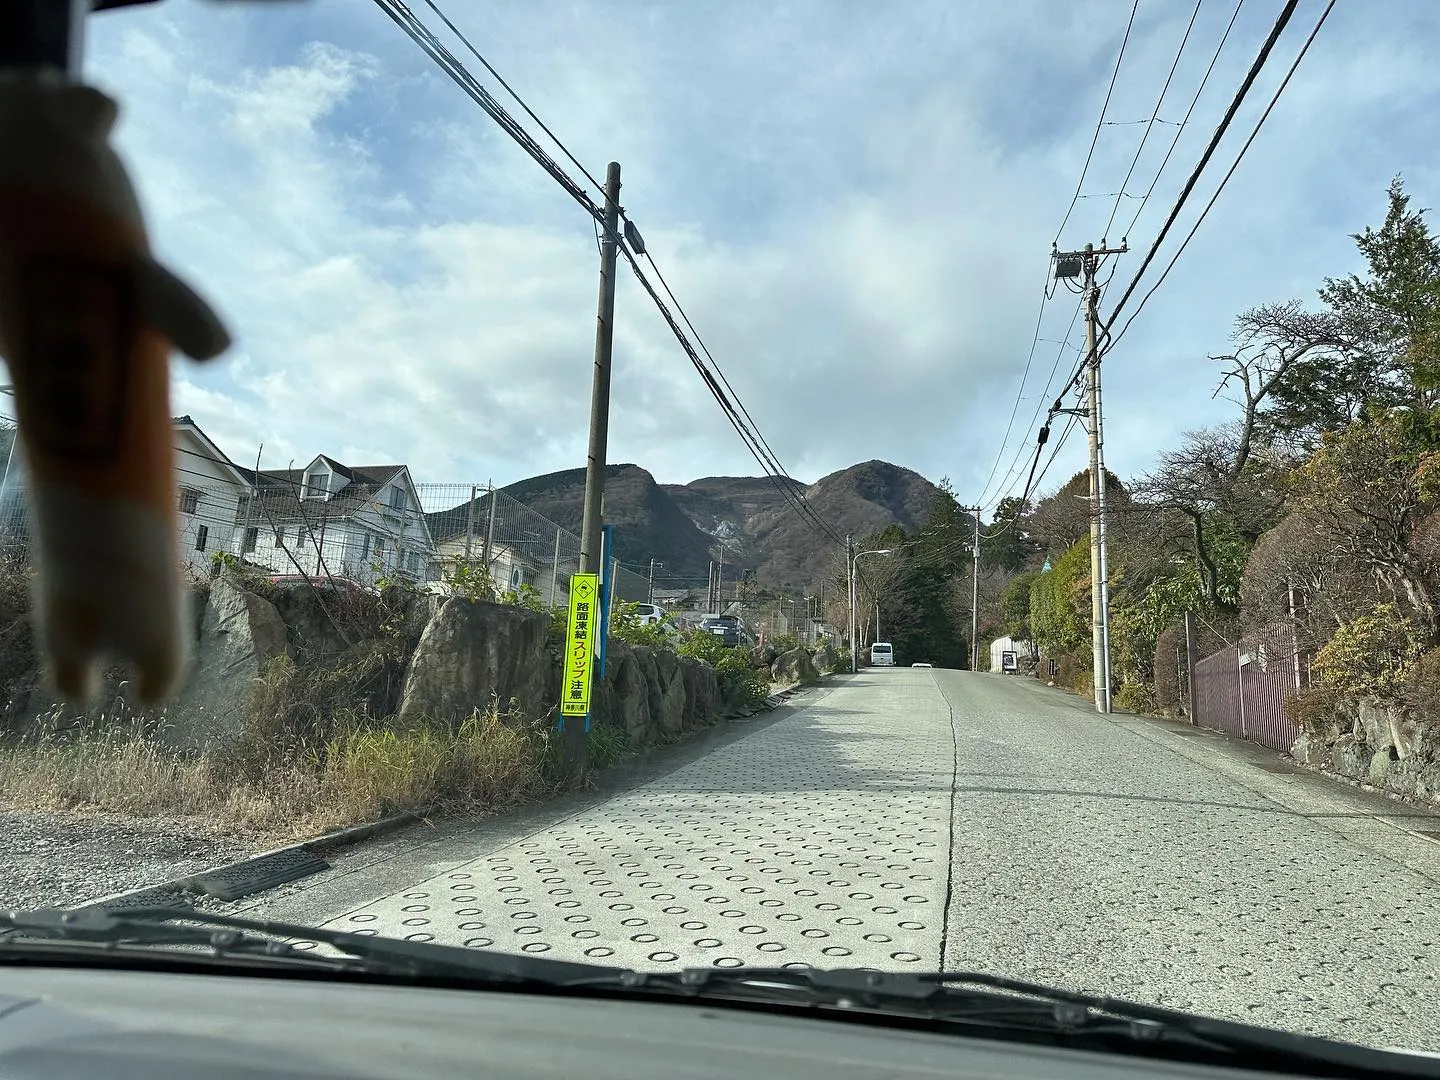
{"points": [[994, 1004], [984, 1004], [264, 940]]}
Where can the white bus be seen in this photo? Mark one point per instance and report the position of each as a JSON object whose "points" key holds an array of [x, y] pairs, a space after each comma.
{"points": [[882, 654]]}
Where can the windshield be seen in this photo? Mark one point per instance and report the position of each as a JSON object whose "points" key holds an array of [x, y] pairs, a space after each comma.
{"points": [[966, 663]]}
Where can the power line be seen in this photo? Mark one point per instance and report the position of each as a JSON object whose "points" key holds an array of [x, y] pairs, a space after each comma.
{"points": [[418, 33], [421, 35], [1225, 180], [1099, 123], [509, 90], [1280, 23], [1180, 129], [1153, 118]]}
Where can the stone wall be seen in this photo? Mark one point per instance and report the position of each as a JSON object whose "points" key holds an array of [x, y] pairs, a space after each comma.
{"points": [[1379, 743], [450, 656]]}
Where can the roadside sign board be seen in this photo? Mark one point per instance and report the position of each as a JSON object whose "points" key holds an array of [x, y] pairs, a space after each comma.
{"points": [[580, 644]]}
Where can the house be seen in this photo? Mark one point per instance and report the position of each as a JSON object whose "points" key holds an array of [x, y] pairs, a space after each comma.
{"points": [[210, 488], [361, 522], [514, 560]]}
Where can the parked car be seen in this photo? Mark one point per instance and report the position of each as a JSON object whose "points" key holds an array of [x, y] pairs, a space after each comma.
{"points": [[922, 664], [649, 613], [882, 654]]}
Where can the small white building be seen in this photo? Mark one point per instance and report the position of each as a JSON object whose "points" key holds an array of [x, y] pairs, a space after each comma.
{"points": [[1022, 651], [210, 488], [361, 522]]}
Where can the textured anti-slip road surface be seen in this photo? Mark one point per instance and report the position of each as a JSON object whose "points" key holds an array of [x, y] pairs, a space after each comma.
{"points": [[911, 819]]}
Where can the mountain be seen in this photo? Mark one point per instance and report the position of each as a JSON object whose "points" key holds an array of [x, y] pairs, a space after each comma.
{"points": [[748, 518], [648, 523]]}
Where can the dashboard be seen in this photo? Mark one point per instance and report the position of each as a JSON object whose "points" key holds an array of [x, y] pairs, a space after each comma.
{"points": [[129, 1025]]}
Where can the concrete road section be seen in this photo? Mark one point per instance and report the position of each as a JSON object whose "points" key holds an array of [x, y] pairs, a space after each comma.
{"points": [[910, 819]]}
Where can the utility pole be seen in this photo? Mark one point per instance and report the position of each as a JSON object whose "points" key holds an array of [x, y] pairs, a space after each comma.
{"points": [[650, 591], [850, 578], [555, 570], [974, 591], [574, 738], [470, 523], [1085, 263]]}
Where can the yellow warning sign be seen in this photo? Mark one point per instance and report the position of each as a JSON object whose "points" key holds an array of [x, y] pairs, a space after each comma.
{"points": [[580, 644]]}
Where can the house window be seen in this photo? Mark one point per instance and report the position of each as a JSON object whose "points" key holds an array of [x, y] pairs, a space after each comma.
{"points": [[202, 537], [252, 539], [189, 501], [365, 546], [397, 498], [379, 547], [280, 538], [316, 484]]}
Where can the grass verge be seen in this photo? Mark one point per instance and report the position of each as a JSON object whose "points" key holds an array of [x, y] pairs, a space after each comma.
{"points": [[363, 771]]}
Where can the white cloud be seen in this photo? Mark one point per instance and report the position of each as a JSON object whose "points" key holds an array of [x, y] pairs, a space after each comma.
{"points": [[856, 211]]}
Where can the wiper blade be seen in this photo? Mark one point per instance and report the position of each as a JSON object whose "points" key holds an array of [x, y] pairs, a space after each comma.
{"points": [[233, 935], [1004, 1005]]}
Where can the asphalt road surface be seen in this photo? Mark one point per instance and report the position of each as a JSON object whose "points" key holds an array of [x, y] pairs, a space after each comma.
{"points": [[909, 819]]}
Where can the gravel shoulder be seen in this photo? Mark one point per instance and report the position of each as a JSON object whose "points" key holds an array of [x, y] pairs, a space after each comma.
{"points": [[57, 859]]}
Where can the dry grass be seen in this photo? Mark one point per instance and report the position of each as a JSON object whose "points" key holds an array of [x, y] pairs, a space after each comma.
{"points": [[363, 772]]}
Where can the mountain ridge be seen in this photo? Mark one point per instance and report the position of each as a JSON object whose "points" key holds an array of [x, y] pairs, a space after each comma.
{"points": [[750, 518]]}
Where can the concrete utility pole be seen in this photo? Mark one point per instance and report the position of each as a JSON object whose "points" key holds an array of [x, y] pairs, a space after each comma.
{"points": [[1086, 263], [975, 591], [850, 581], [650, 591], [574, 739]]}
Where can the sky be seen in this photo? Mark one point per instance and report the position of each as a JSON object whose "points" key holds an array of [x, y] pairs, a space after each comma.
{"points": [[853, 202]]}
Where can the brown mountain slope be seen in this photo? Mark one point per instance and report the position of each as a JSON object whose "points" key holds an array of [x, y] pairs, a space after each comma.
{"points": [[746, 519]]}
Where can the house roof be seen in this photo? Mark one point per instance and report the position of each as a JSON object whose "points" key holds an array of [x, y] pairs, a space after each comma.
{"points": [[277, 494], [241, 476]]}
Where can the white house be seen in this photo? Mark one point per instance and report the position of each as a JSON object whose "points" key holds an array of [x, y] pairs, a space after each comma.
{"points": [[210, 488], [461, 532], [360, 522]]}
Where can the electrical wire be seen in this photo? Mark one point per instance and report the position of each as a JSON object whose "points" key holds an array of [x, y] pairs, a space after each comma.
{"points": [[1155, 116], [1225, 180], [1180, 128], [1280, 23], [1099, 123], [599, 186], [427, 41], [1046, 292]]}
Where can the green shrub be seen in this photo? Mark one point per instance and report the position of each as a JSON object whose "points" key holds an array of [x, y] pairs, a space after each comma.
{"points": [[625, 624], [1372, 655], [1137, 697], [783, 642], [741, 686], [1318, 710]]}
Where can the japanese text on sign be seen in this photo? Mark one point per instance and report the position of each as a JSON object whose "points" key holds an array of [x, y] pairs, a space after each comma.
{"points": [[580, 644]]}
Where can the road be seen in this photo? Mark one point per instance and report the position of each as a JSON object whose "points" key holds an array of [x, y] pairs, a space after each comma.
{"points": [[913, 819]]}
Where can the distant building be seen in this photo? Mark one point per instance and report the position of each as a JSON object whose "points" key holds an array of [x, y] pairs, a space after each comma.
{"points": [[360, 522]]}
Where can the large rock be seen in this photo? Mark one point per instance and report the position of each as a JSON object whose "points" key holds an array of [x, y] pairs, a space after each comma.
{"points": [[630, 692], [826, 658], [471, 652], [702, 692], [794, 666], [667, 695], [762, 656], [240, 633], [1351, 757]]}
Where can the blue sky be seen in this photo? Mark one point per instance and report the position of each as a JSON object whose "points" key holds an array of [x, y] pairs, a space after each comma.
{"points": [[854, 202]]}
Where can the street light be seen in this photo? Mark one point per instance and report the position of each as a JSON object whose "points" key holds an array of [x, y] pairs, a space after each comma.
{"points": [[854, 647]]}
